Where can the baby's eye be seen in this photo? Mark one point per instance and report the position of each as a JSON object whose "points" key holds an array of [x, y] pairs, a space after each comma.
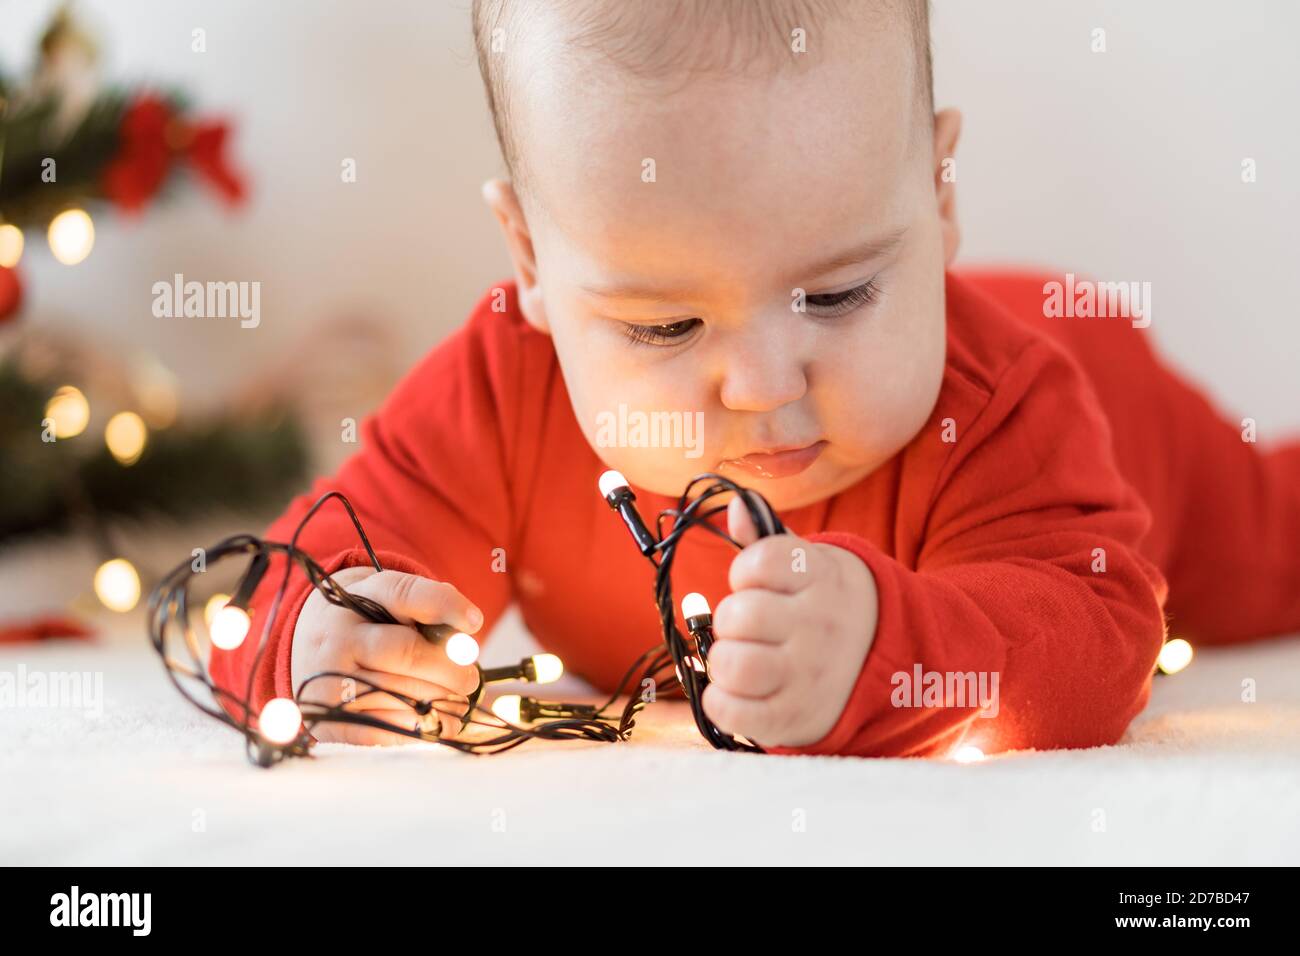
{"points": [[832, 304], [660, 334]]}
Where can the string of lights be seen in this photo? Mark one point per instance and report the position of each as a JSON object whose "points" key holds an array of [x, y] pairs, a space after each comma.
{"points": [[283, 727], [679, 663], [690, 657]]}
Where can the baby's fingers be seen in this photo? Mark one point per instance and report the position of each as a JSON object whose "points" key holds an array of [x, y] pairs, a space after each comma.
{"points": [[364, 689], [397, 649], [411, 598]]}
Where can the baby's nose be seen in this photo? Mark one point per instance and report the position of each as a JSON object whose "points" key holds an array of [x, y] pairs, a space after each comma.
{"points": [[762, 375]]}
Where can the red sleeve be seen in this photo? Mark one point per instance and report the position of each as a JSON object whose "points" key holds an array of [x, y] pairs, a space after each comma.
{"points": [[1005, 585], [430, 485]]}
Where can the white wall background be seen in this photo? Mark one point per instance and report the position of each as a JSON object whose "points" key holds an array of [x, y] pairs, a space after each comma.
{"points": [[1123, 165]]}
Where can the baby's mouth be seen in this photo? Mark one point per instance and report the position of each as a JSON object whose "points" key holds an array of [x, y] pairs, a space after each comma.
{"points": [[778, 463]]}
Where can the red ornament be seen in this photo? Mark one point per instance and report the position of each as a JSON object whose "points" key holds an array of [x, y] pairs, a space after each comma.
{"points": [[11, 294]]}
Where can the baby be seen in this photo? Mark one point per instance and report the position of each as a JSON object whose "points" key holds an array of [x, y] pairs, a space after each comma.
{"points": [[741, 213]]}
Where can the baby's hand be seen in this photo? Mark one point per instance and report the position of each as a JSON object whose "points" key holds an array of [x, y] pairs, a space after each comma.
{"points": [[791, 637], [394, 656]]}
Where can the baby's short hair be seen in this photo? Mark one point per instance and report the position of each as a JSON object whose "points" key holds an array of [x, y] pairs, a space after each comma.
{"points": [[656, 40]]}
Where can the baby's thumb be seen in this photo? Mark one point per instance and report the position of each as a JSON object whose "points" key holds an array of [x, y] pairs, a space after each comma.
{"points": [[739, 524]]}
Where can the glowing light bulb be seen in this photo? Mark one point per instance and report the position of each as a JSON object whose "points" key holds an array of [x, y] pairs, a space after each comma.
{"points": [[548, 668], [229, 627], [280, 720], [69, 411], [610, 482], [156, 391], [71, 236], [125, 434], [507, 707], [968, 754], [11, 245], [117, 585], [1174, 656], [215, 604], [461, 649], [695, 605]]}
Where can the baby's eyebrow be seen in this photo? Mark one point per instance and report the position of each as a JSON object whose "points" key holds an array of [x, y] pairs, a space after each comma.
{"points": [[866, 251], [873, 248], [640, 293]]}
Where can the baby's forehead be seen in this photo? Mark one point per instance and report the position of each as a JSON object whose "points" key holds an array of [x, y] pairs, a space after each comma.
{"points": [[575, 49], [659, 40], [703, 36]]}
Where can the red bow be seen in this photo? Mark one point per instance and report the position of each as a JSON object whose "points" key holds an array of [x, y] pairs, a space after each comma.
{"points": [[150, 138]]}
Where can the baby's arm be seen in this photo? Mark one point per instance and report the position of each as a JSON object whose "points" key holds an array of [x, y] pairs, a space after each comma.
{"points": [[430, 485], [1028, 576]]}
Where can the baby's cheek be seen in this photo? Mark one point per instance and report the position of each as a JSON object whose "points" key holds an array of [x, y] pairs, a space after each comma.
{"points": [[655, 438], [876, 395]]}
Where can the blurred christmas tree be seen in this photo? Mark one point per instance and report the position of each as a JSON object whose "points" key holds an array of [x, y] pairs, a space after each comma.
{"points": [[54, 473], [66, 143], [87, 437]]}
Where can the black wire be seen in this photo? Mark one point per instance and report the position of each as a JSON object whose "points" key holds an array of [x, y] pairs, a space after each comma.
{"points": [[169, 611], [670, 661], [689, 514]]}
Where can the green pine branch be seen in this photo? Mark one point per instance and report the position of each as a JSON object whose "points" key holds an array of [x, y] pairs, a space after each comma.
{"points": [[225, 462]]}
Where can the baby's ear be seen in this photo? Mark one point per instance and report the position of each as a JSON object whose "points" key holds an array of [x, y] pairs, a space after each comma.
{"points": [[947, 130], [501, 198]]}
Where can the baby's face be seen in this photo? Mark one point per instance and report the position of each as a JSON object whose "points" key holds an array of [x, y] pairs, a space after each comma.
{"points": [[763, 256]]}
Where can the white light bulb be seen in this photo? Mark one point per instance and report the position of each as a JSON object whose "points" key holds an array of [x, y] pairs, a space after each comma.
{"points": [[215, 604], [117, 585], [461, 648], [280, 720], [1174, 656], [968, 754], [11, 245], [68, 411], [156, 389], [610, 482], [694, 605], [229, 627], [71, 236], [507, 707], [126, 434], [548, 668]]}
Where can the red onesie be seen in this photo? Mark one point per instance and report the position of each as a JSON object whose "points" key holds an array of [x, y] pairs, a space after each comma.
{"points": [[1036, 545]]}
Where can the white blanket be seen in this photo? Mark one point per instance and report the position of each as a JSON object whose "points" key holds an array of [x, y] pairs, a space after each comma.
{"points": [[1201, 778]]}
